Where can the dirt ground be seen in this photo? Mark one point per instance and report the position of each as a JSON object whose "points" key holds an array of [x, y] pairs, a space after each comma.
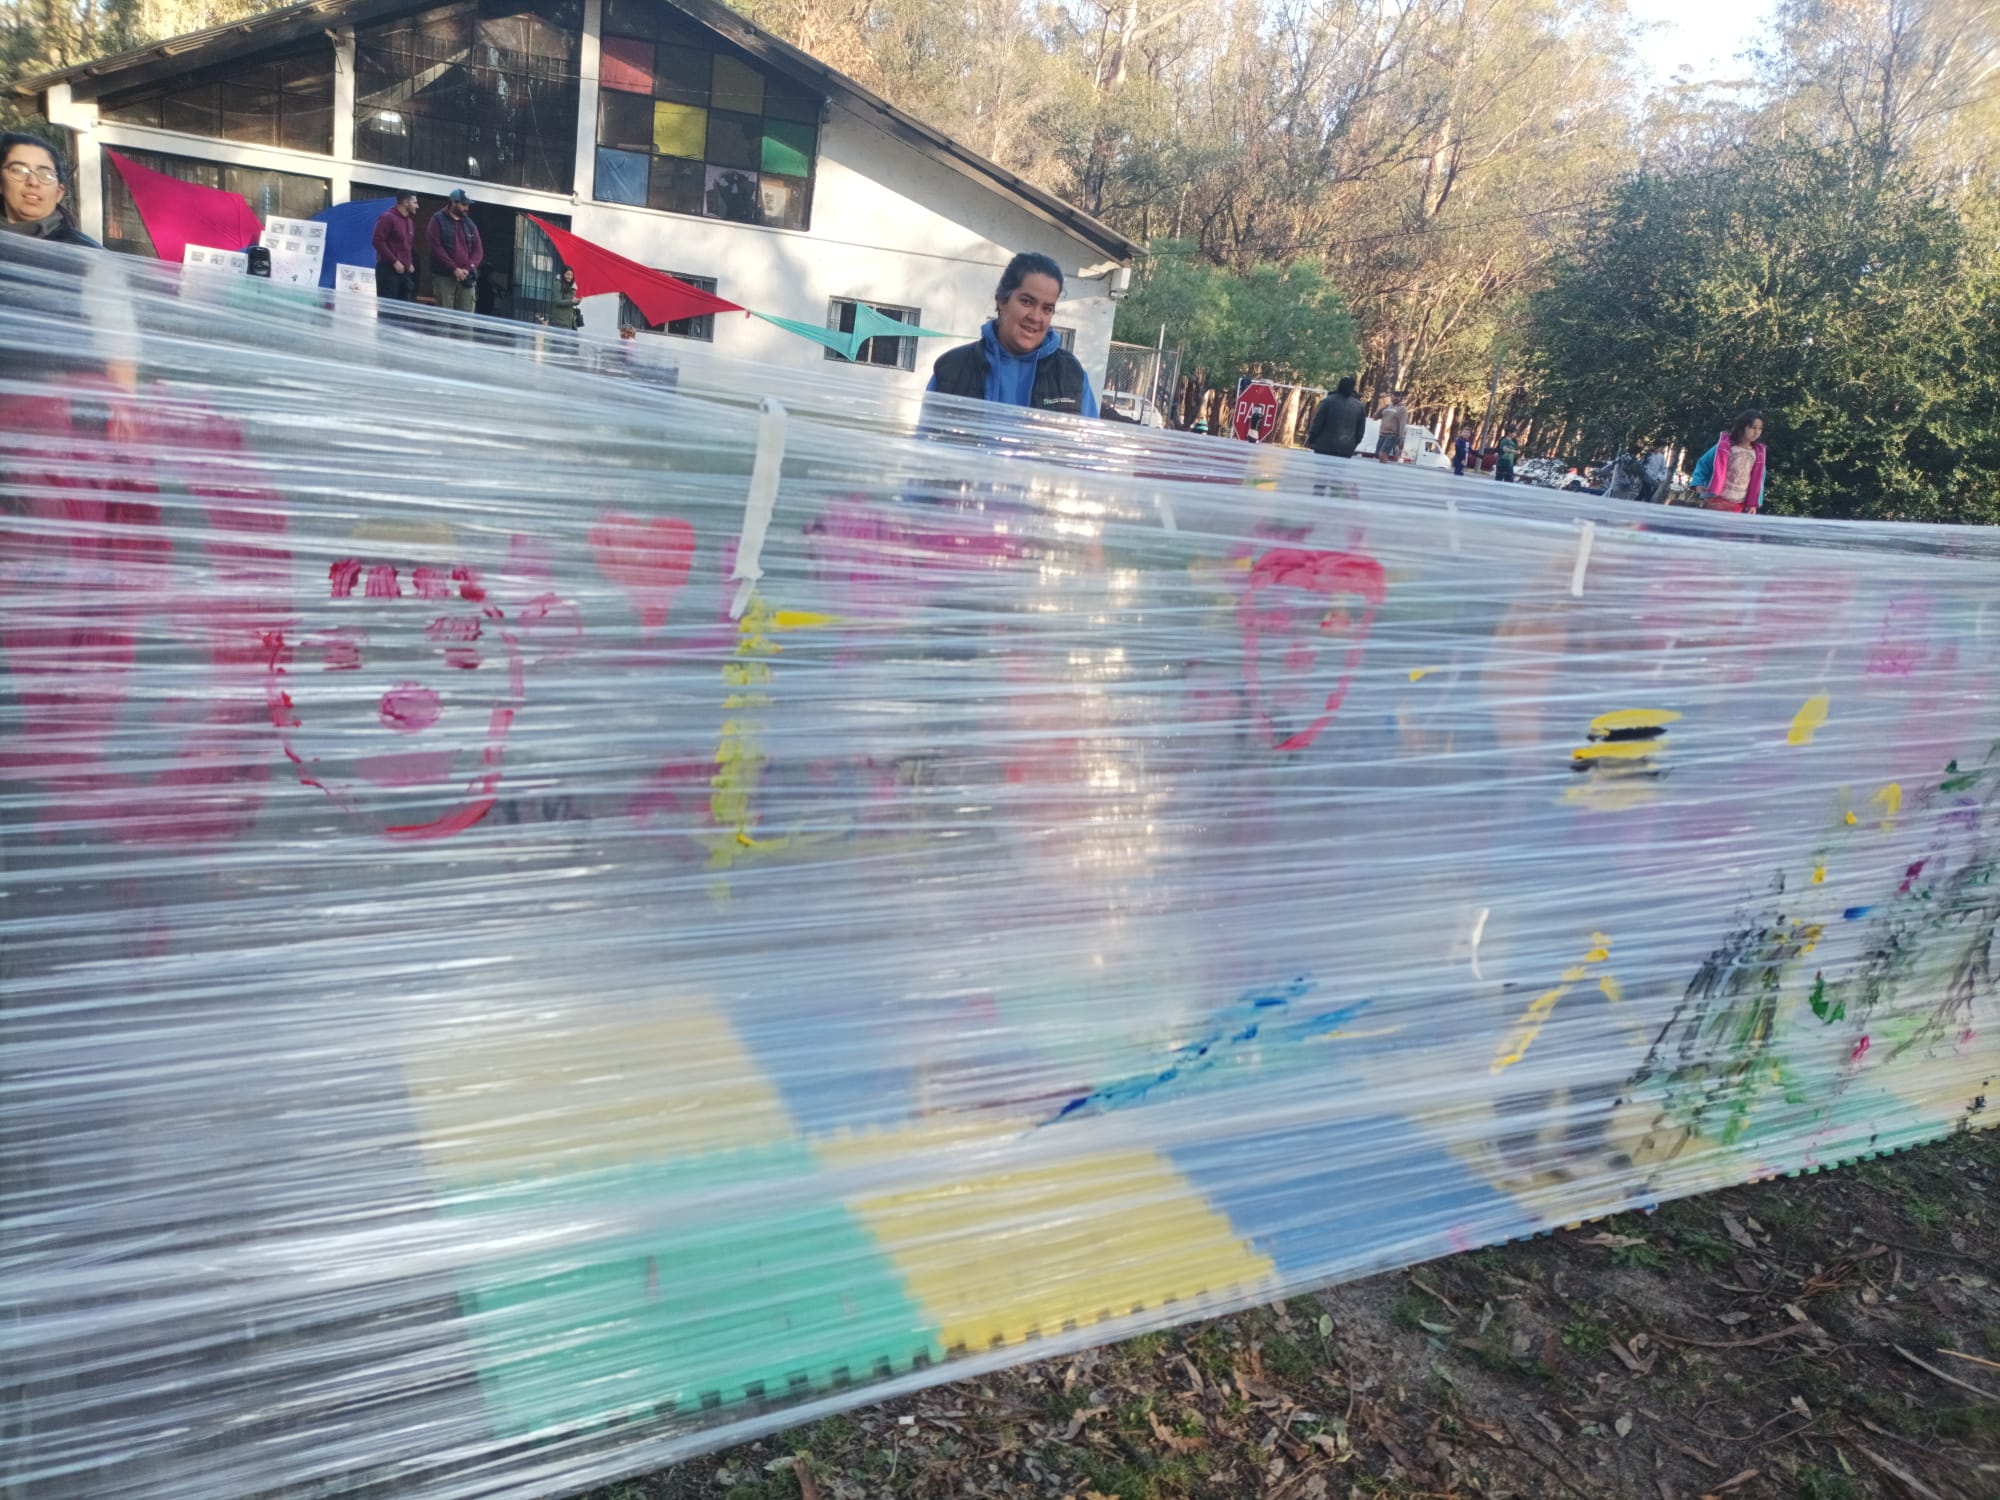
{"points": [[1828, 1338]]}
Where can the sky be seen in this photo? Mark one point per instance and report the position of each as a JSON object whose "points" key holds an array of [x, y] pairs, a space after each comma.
{"points": [[1703, 34]]}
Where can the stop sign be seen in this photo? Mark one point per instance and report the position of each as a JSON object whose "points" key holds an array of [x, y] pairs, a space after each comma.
{"points": [[1256, 400]]}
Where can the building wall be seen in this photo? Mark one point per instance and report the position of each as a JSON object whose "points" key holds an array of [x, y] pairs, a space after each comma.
{"points": [[889, 225]]}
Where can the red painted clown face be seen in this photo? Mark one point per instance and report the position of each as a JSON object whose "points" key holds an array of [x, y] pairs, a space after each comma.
{"points": [[1305, 618], [397, 699]]}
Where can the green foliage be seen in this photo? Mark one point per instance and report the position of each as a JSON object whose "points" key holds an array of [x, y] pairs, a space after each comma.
{"points": [[1857, 311], [1289, 320]]}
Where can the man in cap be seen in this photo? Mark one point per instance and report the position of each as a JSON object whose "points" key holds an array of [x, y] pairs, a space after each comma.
{"points": [[455, 254]]}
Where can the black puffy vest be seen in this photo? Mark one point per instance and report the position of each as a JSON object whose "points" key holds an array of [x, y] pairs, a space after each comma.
{"points": [[1059, 379]]}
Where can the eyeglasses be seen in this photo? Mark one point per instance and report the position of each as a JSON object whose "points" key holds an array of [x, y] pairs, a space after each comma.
{"points": [[20, 171]]}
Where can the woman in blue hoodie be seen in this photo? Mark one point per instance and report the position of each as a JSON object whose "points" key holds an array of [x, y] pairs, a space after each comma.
{"points": [[1019, 359]]}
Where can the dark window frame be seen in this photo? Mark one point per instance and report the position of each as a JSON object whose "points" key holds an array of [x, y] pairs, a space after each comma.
{"points": [[299, 85], [117, 199], [840, 317], [700, 329]]}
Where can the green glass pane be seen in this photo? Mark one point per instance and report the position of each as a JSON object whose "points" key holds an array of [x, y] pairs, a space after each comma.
{"points": [[680, 130], [788, 147], [738, 86]]}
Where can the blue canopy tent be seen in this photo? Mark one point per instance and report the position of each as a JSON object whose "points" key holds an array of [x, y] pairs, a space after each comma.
{"points": [[350, 229]]}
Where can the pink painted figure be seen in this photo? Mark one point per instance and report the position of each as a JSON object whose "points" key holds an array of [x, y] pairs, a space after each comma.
{"points": [[397, 700], [92, 580], [1305, 617]]}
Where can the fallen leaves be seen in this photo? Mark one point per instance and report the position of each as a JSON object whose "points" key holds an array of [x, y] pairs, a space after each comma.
{"points": [[1606, 1241], [1080, 1418], [1733, 1227], [1631, 1357]]}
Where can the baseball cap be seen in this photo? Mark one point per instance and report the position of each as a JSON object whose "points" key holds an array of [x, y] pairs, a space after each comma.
{"points": [[458, 196]]}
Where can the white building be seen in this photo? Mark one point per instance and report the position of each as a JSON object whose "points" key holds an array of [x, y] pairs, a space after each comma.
{"points": [[671, 131]]}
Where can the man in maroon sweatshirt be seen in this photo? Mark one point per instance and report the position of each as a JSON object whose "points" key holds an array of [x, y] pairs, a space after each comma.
{"points": [[455, 254], [396, 250]]}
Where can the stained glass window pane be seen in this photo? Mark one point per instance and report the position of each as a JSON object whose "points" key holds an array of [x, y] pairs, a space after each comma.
{"points": [[680, 130], [784, 201], [621, 177], [734, 140], [626, 64], [625, 120], [732, 195], [788, 147], [738, 86], [677, 186], [681, 74]]}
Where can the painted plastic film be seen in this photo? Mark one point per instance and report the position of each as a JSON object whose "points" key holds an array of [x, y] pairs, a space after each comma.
{"points": [[565, 903]]}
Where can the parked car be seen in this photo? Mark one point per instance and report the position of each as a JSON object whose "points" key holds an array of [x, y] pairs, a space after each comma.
{"points": [[1420, 446], [1549, 473], [1133, 408]]}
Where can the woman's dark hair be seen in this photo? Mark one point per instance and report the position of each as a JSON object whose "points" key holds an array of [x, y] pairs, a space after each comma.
{"points": [[1346, 386], [12, 138], [1742, 423], [1021, 267]]}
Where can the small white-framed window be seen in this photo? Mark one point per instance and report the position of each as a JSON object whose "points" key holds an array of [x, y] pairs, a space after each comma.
{"points": [[1068, 339], [702, 327], [892, 353]]}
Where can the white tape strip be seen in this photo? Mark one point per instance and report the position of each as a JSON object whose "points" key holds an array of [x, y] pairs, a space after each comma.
{"points": [[757, 509], [1587, 534]]}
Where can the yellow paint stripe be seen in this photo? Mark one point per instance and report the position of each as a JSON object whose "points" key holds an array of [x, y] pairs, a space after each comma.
{"points": [[1619, 750]]}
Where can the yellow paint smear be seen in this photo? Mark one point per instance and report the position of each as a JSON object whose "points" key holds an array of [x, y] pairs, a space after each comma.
{"points": [[1811, 714], [1418, 674], [802, 619], [1819, 871], [1542, 1006], [1890, 800]]}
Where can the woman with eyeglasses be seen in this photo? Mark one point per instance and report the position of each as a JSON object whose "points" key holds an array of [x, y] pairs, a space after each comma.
{"points": [[34, 186]]}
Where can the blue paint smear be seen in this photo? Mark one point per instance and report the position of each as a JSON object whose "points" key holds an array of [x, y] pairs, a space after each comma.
{"points": [[1213, 1050], [1855, 913]]}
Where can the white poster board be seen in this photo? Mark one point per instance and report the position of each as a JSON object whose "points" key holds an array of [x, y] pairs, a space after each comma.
{"points": [[354, 281], [236, 262], [297, 247]]}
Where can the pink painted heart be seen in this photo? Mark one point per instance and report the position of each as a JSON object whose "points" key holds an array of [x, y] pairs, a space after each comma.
{"points": [[649, 560]]}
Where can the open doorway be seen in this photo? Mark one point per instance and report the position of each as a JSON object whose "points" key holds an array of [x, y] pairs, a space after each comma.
{"points": [[517, 272]]}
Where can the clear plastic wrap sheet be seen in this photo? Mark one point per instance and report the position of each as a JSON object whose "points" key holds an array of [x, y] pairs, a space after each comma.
{"points": [[559, 912]]}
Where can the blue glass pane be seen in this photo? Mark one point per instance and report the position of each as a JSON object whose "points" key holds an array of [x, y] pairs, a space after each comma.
{"points": [[621, 177]]}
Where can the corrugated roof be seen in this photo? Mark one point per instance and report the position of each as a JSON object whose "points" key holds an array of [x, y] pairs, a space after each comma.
{"points": [[296, 22]]}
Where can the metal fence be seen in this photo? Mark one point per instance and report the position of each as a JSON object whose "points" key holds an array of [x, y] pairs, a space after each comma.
{"points": [[1145, 372]]}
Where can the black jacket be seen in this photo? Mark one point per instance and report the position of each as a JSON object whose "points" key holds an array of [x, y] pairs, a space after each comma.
{"points": [[1059, 379], [1337, 426]]}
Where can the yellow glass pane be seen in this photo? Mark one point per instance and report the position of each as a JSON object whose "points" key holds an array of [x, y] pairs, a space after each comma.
{"points": [[680, 130], [738, 86]]}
